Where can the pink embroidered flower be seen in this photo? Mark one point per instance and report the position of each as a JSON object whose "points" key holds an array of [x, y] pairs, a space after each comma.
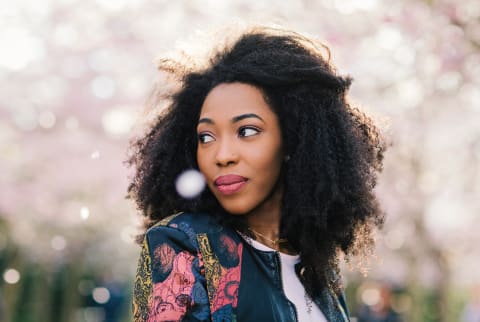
{"points": [[227, 290], [171, 298]]}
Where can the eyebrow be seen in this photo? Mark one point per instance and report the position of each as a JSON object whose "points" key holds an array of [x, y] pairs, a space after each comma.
{"points": [[233, 120]]}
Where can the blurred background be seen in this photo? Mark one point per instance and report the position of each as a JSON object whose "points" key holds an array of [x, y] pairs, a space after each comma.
{"points": [[74, 79]]}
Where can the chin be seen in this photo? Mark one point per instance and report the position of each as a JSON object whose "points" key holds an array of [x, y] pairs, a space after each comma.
{"points": [[236, 209]]}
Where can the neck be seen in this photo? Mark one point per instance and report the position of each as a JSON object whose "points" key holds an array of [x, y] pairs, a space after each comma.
{"points": [[266, 219], [264, 222]]}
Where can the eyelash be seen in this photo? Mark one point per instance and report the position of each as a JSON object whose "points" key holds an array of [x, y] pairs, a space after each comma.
{"points": [[202, 136], [243, 128]]}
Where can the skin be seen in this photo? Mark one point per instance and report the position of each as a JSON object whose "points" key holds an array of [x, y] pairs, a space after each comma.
{"points": [[238, 133]]}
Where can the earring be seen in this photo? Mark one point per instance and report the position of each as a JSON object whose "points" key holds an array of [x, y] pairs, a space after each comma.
{"points": [[286, 158]]}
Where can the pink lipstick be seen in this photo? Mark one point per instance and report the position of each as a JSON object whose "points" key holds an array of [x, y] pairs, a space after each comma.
{"points": [[230, 183]]}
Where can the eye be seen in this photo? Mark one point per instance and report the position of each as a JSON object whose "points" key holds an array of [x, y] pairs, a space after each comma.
{"points": [[248, 131], [204, 138]]}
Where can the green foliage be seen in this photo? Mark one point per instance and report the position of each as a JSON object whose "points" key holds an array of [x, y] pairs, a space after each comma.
{"points": [[52, 293]]}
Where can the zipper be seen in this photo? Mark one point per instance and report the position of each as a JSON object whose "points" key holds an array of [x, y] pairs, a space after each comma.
{"points": [[291, 305]]}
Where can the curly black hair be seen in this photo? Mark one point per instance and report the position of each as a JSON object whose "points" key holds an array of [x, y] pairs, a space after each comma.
{"points": [[335, 150]]}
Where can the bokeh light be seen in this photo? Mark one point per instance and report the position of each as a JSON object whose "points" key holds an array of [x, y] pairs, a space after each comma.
{"points": [[84, 213], [11, 276], [101, 295], [190, 184]]}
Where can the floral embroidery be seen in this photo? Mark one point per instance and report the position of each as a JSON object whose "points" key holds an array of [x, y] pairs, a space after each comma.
{"points": [[227, 290], [171, 298], [222, 274], [188, 230], [180, 276]]}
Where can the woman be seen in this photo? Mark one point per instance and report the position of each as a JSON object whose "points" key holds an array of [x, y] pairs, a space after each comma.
{"points": [[290, 168]]}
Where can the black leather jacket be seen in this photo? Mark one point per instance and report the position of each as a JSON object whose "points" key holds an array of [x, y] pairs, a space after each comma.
{"points": [[194, 269]]}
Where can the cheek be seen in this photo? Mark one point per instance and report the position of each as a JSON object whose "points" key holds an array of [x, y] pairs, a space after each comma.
{"points": [[206, 169], [269, 160], [267, 166], [201, 162]]}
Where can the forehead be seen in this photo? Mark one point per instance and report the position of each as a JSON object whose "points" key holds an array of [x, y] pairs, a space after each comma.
{"points": [[231, 99]]}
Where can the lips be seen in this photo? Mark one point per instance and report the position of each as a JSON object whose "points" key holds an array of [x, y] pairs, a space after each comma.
{"points": [[229, 184]]}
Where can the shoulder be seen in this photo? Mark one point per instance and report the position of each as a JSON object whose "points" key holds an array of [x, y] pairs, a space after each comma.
{"points": [[184, 225], [186, 221]]}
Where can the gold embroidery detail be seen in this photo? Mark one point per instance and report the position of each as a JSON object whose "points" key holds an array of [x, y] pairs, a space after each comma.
{"points": [[212, 266], [165, 221], [142, 292]]}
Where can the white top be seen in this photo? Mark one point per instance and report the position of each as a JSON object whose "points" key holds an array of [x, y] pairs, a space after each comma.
{"points": [[307, 310]]}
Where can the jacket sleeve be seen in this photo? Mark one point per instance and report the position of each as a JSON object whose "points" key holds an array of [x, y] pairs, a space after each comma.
{"points": [[170, 283]]}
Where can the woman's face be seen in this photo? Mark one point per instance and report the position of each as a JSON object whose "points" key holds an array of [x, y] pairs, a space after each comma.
{"points": [[240, 149]]}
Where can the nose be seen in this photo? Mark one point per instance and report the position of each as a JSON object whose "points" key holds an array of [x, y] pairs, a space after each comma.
{"points": [[226, 154]]}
